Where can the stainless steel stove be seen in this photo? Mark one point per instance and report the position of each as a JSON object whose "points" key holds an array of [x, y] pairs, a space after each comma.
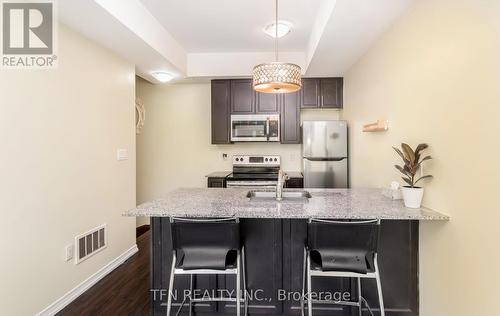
{"points": [[254, 172]]}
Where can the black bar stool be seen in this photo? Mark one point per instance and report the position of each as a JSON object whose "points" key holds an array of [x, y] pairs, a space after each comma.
{"points": [[207, 246], [346, 249]]}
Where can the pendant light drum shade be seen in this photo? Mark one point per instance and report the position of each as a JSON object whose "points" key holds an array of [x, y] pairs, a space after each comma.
{"points": [[277, 77]]}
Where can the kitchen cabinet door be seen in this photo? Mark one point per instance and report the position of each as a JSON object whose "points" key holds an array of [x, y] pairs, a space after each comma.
{"points": [[290, 118], [267, 103], [263, 240], [220, 111], [294, 240], [398, 264], [310, 93], [331, 93], [216, 182], [295, 183], [242, 97]]}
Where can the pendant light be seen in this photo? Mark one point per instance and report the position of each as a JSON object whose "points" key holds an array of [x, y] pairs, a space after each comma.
{"points": [[276, 77]]}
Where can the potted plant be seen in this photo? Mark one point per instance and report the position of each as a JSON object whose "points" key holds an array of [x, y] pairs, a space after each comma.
{"points": [[412, 194]]}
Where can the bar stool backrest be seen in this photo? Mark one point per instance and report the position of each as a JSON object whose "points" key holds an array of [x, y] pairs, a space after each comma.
{"points": [[205, 233], [349, 246], [343, 235]]}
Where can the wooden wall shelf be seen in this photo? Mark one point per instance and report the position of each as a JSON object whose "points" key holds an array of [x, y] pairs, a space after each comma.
{"points": [[378, 126]]}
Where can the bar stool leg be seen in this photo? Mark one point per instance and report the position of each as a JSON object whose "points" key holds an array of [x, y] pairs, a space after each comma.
{"points": [[359, 298], [302, 298], [171, 285], [379, 289], [238, 286], [191, 277], [243, 266], [309, 285]]}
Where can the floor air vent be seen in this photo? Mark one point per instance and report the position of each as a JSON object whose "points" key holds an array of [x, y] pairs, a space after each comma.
{"points": [[90, 243]]}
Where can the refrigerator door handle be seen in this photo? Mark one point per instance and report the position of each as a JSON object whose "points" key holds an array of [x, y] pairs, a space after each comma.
{"points": [[324, 159]]}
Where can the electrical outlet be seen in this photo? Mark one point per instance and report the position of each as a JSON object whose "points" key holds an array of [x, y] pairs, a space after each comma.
{"points": [[70, 249]]}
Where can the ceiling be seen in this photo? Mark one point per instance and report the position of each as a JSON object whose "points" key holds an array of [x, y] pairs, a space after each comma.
{"points": [[234, 25], [224, 38]]}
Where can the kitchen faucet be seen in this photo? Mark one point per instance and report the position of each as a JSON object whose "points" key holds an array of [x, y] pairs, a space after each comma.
{"points": [[282, 177]]}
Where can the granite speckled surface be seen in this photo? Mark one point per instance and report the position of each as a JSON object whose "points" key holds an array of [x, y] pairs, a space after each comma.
{"points": [[325, 203]]}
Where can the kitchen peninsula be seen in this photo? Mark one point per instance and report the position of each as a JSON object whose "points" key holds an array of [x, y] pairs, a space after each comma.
{"points": [[274, 234]]}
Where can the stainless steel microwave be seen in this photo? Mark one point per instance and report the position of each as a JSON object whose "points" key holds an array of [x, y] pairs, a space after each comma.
{"points": [[255, 128]]}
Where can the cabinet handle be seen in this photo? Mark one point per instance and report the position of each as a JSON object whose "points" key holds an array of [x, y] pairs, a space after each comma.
{"points": [[322, 101], [267, 128]]}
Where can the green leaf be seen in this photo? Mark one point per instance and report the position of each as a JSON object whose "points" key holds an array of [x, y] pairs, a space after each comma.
{"points": [[403, 170], [419, 149], [409, 154], [407, 181], [401, 155], [424, 177], [425, 158]]}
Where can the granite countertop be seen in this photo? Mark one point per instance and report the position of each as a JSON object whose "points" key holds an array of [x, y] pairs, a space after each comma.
{"points": [[324, 203]]}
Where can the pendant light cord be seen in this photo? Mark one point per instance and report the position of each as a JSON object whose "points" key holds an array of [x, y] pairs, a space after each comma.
{"points": [[276, 34]]}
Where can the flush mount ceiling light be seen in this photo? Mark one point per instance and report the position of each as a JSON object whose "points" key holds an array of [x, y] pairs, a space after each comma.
{"points": [[276, 77], [162, 76], [284, 28]]}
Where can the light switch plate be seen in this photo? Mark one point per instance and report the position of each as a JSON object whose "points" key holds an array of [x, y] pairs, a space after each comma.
{"points": [[121, 154], [70, 249]]}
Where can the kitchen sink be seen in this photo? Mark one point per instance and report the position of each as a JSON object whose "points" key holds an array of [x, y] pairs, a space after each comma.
{"points": [[292, 196]]}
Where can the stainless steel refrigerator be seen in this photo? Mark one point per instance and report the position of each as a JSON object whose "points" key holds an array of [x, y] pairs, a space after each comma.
{"points": [[325, 154]]}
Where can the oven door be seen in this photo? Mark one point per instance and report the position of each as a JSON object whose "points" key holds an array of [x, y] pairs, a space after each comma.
{"points": [[255, 128], [251, 184]]}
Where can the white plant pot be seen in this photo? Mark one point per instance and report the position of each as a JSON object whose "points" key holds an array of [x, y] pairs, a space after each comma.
{"points": [[412, 196]]}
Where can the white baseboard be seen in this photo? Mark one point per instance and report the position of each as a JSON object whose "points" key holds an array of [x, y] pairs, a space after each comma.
{"points": [[70, 296]]}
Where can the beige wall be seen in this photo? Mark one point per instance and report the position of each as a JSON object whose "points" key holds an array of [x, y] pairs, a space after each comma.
{"points": [[59, 176], [174, 150], [436, 76]]}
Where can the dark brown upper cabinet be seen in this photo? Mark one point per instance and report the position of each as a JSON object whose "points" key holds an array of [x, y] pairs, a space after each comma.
{"points": [[267, 102], [322, 93], [310, 93], [332, 92], [236, 96], [242, 97], [221, 92], [290, 118], [244, 100]]}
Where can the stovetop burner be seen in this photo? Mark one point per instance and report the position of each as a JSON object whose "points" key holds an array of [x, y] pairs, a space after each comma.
{"points": [[253, 176], [255, 168]]}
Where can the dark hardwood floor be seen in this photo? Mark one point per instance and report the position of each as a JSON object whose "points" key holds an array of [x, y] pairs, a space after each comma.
{"points": [[125, 291]]}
